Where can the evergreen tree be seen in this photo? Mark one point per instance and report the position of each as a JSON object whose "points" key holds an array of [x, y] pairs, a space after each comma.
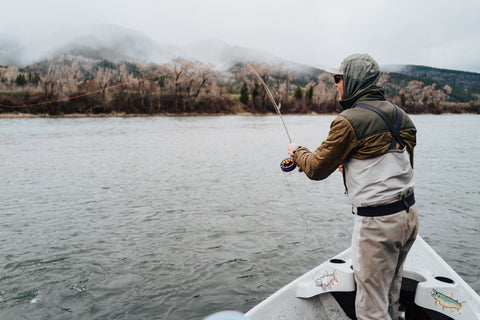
{"points": [[21, 81], [298, 93], [36, 79], [309, 93], [244, 94]]}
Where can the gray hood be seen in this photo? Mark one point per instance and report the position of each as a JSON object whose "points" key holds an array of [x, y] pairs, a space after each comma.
{"points": [[361, 74]]}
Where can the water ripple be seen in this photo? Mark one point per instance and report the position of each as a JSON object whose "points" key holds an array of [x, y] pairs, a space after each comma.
{"points": [[99, 221]]}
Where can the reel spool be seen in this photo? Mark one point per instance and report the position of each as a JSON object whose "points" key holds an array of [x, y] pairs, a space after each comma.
{"points": [[288, 165]]}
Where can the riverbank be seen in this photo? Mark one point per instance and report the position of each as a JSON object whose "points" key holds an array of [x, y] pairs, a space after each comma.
{"points": [[146, 115], [116, 114], [139, 115]]}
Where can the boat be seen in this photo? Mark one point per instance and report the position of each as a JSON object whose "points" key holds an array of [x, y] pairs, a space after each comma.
{"points": [[431, 290]]}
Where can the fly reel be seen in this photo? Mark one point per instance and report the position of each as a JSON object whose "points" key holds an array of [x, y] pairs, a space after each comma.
{"points": [[288, 165]]}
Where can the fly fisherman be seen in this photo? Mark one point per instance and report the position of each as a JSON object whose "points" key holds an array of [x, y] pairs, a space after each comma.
{"points": [[372, 143]]}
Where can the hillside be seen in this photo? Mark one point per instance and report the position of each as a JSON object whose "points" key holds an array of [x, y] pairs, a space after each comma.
{"points": [[465, 85], [461, 79], [209, 76], [118, 44]]}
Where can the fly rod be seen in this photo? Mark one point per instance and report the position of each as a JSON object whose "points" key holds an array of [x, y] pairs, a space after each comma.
{"points": [[287, 164]]}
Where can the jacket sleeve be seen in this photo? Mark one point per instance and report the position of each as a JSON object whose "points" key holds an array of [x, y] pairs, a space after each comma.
{"points": [[340, 143], [410, 138]]}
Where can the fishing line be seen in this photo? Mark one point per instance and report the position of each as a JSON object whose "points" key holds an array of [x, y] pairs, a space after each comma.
{"points": [[89, 93], [294, 200], [270, 96], [287, 164]]}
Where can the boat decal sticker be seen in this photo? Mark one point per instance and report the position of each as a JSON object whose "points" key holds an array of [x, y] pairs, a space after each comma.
{"points": [[329, 279], [447, 302]]}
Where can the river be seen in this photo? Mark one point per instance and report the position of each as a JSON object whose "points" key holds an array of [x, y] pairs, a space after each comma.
{"points": [[180, 217]]}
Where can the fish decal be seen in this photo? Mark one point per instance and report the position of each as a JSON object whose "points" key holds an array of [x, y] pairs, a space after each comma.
{"points": [[447, 302], [328, 279]]}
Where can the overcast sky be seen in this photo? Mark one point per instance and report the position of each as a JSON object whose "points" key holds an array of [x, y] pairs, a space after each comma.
{"points": [[436, 33]]}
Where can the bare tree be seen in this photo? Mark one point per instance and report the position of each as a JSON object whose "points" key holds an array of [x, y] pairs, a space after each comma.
{"points": [[104, 78], [203, 78], [145, 87], [413, 91], [11, 76], [176, 82], [126, 78], [260, 101], [159, 86], [248, 78], [71, 77], [49, 81], [278, 85], [383, 79], [285, 91], [325, 93], [434, 96]]}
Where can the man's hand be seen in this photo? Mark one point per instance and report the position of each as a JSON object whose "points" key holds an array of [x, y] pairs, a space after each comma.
{"points": [[292, 147]]}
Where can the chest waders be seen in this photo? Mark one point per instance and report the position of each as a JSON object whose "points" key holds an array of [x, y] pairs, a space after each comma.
{"points": [[395, 127]]}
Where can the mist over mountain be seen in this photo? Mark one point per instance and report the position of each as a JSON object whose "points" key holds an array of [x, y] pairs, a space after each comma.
{"points": [[92, 44], [118, 44], [108, 42]]}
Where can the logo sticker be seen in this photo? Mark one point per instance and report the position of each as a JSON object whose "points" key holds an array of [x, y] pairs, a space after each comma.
{"points": [[329, 279], [447, 302]]}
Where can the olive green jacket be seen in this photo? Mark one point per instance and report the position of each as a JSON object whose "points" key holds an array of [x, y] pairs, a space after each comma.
{"points": [[360, 139], [355, 133]]}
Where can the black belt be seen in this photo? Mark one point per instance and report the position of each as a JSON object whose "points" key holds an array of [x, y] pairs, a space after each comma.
{"points": [[385, 210]]}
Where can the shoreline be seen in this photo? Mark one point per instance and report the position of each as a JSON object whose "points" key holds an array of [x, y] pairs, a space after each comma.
{"points": [[107, 115], [11, 115], [145, 115]]}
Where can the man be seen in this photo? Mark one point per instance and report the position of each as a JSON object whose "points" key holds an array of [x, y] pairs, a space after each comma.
{"points": [[372, 142]]}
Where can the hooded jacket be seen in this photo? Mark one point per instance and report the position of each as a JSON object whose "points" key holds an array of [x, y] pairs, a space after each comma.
{"points": [[360, 140]]}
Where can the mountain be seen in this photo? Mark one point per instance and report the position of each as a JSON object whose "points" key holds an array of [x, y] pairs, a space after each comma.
{"points": [[91, 45], [108, 42], [229, 59], [461, 79], [465, 85], [224, 56], [118, 44]]}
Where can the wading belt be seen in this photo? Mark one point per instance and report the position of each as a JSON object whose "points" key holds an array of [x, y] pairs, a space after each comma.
{"points": [[387, 209], [406, 202]]}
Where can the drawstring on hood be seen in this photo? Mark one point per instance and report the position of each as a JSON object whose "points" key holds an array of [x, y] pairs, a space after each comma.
{"points": [[361, 75]]}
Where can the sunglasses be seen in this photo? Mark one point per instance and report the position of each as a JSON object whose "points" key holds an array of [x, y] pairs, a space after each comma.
{"points": [[337, 78]]}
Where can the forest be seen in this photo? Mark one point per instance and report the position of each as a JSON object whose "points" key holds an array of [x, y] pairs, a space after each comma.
{"points": [[72, 85]]}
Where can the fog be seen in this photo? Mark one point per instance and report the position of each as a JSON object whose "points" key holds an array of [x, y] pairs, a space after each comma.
{"points": [[318, 33]]}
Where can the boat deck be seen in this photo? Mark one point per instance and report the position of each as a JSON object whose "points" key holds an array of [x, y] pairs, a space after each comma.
{"points": [[431, 290]]}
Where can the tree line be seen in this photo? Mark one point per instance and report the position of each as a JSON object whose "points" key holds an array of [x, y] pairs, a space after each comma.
{"points": [[73, 86]]}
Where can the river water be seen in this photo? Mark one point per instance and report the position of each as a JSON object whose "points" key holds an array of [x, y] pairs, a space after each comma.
{"points": [[177, 218]]}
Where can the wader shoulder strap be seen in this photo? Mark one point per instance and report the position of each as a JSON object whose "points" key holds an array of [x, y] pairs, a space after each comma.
{"points": [[394, 128]]}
